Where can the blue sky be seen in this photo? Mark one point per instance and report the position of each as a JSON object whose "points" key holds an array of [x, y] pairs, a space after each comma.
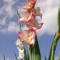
{"points": [[8, 26]]}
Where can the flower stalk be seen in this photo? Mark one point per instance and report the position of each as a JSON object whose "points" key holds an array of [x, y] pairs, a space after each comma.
{"points": [[29, 36], [19, 30], [55, 40]]}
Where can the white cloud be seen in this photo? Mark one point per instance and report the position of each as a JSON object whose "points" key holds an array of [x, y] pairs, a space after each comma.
{"points": [[3, 21], [8, 1], [3, 30], [9, 12], [12, 27], [7, 8], [47, 4], [50, 22], [49, 11]]}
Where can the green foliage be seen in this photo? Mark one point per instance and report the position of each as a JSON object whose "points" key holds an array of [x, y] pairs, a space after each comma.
{"points": [[59, 19], [34, 51], [37, 50], [59, 56], [25, 57], [55, 40]]}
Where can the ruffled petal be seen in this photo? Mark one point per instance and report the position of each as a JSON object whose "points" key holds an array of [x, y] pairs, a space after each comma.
{"points": [[33, 24], [27, 36], [26, 17]]}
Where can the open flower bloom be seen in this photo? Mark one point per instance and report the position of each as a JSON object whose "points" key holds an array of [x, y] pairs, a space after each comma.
{"points": [[33, 24], [29, 5], [25, 17], [27, 36], [34, 12]]}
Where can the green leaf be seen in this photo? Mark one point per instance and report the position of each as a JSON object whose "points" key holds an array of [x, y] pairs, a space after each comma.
{"points": [[34, 51], [59, 56], [55, 40], [19, 24], [19, 29], [25, 55], [31, 52], [37, 50], [59, 19], [17, 13], [53, 47]]}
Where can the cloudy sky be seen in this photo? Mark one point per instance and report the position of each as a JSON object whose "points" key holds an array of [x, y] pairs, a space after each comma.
{"points": [[9, 26]]}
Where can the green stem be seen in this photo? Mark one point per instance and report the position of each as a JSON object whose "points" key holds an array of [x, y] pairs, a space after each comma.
{"points": [[55, 40], [20, 30], [53, 47], [25, 57], [34, 51]]}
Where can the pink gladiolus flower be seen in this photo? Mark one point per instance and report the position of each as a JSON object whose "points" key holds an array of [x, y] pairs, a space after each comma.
{"points": [[27, 36], [33, 24], [25, 17], [29, 5], [35, 12]]}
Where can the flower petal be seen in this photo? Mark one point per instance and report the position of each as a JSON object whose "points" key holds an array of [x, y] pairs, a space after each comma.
{"points": [[26, 17], [27, 36], [29, 5], [33, 24]]}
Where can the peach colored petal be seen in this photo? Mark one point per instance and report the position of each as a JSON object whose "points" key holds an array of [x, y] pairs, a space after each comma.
{"points": [[35, 12], [33, 24], [29, 5], [28, 36], [25, 17]]}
